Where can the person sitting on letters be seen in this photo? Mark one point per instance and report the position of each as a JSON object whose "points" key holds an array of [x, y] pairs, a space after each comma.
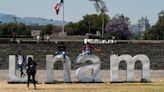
{"points": [[87, 50], [62, 50]]}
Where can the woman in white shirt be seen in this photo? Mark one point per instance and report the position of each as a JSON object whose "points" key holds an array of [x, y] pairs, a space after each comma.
{"points": [[20, 61]]}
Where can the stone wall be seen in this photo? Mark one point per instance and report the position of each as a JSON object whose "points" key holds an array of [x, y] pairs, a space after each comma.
{"points": [[155, 51]]}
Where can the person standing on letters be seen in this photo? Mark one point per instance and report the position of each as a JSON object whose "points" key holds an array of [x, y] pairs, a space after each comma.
{"points": [[20, 61]]}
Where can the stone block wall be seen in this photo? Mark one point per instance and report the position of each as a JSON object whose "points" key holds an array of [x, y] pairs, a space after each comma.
{"points": [[155, 51]]}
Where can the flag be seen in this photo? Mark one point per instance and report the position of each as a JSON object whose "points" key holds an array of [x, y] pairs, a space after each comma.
{"points": [[58, 5]]}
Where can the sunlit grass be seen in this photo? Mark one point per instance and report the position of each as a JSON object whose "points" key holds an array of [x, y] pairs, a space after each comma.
{"points": [[157, 84], [85, 87]]}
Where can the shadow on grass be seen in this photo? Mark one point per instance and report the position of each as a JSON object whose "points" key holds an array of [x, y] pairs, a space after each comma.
{"points": [[72, 82], [132, 82]]}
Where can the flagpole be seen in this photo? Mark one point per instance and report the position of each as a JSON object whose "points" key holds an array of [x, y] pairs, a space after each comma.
{"points": [[63, 18]]}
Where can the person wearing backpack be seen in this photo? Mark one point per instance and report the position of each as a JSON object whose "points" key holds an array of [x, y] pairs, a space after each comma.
{"points": [[31, 71], [20, 61]]}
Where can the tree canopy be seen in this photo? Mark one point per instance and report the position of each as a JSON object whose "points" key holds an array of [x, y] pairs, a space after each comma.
{"points": [[118, 27], [93, 21], [47, 29], [7, 29], [156, 32]]}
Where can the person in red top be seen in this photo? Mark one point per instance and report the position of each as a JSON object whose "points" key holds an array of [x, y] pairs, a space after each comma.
{"points": [[87, 50]]}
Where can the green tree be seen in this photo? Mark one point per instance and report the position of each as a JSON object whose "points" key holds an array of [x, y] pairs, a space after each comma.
{"points": [[23, 29], [47, 29], [93, 21], [156, 32], [118, 27], [7, 29], [71, 28]]}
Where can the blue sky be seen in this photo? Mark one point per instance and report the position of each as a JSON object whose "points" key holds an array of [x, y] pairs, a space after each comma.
{"points": [[75, 9]]}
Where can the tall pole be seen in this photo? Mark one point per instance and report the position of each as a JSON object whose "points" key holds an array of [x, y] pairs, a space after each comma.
{"points": [[89, 28], [14, 19], [63, 18], [163, 35], [14, 31], [100, 6], [103, 15]]}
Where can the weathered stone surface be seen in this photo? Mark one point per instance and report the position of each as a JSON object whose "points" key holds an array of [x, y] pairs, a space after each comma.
{"points": [[12, 71], [94, 76], [155, 52], [130, 61], [50, 60]]}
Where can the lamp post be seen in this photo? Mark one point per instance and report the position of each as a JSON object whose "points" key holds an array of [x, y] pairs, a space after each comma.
{"points": [[89, 28], [14, 31], [15, 19], [163, 35], [101, 7], [103, 24]]}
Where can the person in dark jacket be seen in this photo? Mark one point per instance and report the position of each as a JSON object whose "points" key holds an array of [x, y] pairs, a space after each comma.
{"points": [[62, 49], [31, 71]]}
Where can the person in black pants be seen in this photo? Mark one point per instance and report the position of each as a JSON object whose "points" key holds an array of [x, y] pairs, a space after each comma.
{"points": [[31, 71]]}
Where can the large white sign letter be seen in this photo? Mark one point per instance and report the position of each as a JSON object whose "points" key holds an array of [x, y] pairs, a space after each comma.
{"points": [[50, 60], [114, 66], [95, 67]]}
